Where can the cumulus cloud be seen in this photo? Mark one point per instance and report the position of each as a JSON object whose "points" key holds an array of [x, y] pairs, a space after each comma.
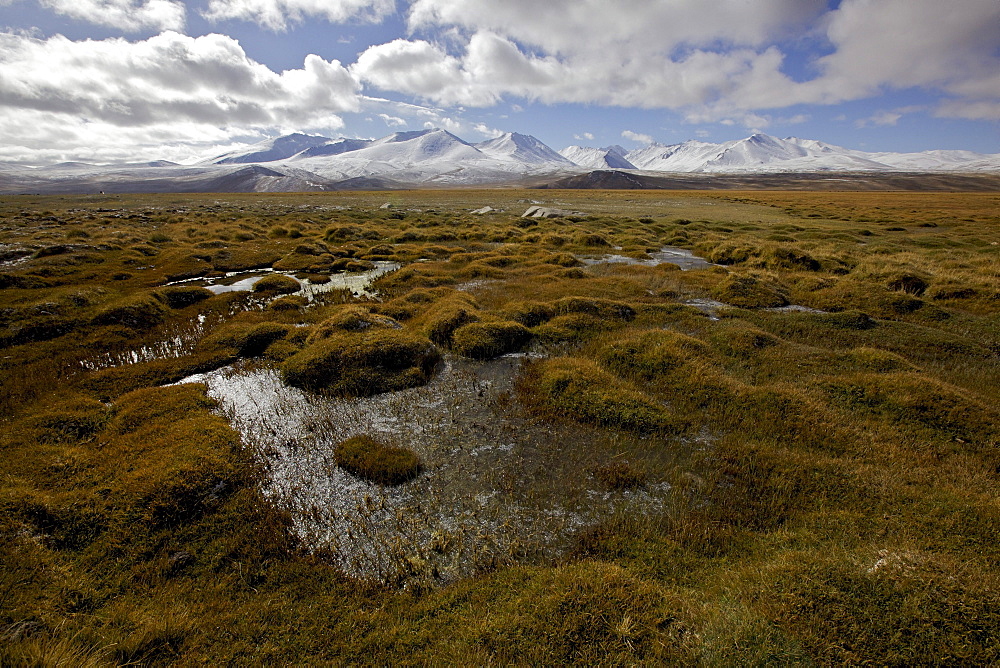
{"points": [[563, 27], [166, 78], [589, 136], [718, 64], [487, 131], [392, 121], [906, 43], [167, 81], [637, 137], [280, 14], [127, 15]]}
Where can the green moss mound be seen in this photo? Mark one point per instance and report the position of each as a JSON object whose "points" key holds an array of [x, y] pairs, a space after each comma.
{"points": [[277, 284], [362, 364], [582, 390], [447, 316], [139, 312], [366, 458], [249, 340], [652, 353], [486, 340], [352, 319], [288, 303], [912, 399], [182, 296], [600, 308], [529, 313], [749, 292]]}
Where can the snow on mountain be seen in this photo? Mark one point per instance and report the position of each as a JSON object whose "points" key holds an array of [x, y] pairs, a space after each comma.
{"points": [[336, 147], [763, 153], [596, 158], [410, 148], [270, 150], [436, 157], [521, 148]]}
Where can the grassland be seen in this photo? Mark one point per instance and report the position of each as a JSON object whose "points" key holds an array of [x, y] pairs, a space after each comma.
{"points": [[822, 405]]}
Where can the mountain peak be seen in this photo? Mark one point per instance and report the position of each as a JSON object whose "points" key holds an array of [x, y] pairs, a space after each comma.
{"points": [[269, 150], [516, 147]]}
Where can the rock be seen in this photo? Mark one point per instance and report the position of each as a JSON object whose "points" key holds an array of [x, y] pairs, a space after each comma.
{"points": [[387, 205], [485, 209], [544, 212]]}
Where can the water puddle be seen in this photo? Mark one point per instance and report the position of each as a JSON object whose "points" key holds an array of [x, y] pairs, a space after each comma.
{"points": [[498, 484], [710, 307], [181, 339], [358, 283], [682, 257]]}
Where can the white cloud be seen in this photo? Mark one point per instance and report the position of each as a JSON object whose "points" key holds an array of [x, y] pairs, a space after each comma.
{"points": [[487, 131], [392, 121], [717, 64], [905, 43], [886, 118], [280, 14], [978, 110], [637, 137], [127, 15], [204, 87], [589, 136], [563, 27], [418, 68]]}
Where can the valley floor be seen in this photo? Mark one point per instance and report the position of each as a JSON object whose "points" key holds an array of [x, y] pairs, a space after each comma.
{"points": [[664, 426]]}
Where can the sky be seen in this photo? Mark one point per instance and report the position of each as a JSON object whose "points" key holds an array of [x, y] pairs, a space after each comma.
{"points": [[132, 80]]}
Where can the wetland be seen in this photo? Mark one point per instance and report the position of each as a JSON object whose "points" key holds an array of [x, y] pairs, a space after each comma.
{"points": [[684, 427]]}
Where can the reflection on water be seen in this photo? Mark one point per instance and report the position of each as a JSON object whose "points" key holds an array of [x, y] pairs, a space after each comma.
{"points": [[498, 483], [682, 257], [359, 283], [180, 339]]}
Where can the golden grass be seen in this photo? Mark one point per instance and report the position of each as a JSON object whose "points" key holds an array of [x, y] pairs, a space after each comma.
{"points": [[834, 481]]}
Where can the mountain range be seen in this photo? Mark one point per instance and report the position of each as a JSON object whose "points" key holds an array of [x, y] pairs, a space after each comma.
{"points": [[435, 157]]}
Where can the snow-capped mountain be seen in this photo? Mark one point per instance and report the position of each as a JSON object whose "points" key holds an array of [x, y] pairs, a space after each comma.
{"points": [[521, 148], [597, 158], [269, 150], [437, 157], [763, 153]]}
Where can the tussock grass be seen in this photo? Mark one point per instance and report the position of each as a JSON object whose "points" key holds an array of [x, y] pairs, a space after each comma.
{"points": [[367, 458], [580, 389], [362, 364], [486, 340], [831, 478], [277, 284]]}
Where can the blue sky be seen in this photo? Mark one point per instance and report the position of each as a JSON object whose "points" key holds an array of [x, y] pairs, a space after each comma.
{"points": [[109, 80]]}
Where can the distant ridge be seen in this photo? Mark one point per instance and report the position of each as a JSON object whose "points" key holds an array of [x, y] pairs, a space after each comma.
{"points": [[437, 158]]}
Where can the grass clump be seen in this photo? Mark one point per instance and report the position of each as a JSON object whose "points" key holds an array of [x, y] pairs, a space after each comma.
{"points": [[249, 340], [619, 475], [604, 309], [749, 292], [182, 296], [486, 340], [914, 399], [277, 284], [372, 362], [582, 390], [652, 353], [366, 458], [447, 316], [138, 312], [351, 319], [288, 303]]}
